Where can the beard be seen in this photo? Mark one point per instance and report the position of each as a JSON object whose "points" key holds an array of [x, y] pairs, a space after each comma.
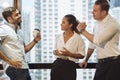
{"points": [[19, 22]]}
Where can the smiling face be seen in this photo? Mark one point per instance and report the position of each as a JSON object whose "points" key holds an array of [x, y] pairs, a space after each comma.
{"points": [[15, 17], [65, 25]]}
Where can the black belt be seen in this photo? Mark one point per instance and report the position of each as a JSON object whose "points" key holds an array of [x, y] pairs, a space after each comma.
{"points": [[108, 59], [65, 59]]}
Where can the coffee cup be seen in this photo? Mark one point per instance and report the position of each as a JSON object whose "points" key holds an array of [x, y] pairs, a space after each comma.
{"points": [[36, 32]]}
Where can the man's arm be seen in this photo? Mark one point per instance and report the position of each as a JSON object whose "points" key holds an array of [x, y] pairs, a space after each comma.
{"points": [[14, 63], [102, 38], [84, 63], [105, 35], [32, 44], [89, 36], [82, 29], [3, 57], [89, 53]]}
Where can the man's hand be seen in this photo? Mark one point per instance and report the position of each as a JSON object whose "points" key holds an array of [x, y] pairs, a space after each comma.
{"points": [[38, 37], [83, 64], [81, 26], [15, 63]]}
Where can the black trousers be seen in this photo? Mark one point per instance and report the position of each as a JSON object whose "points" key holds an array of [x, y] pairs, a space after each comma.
{"points": [[63, 70], [18, 74], [108, 70]]}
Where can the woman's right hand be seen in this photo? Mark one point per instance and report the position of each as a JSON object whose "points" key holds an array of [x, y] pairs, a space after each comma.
{"points": [[57, 52]]}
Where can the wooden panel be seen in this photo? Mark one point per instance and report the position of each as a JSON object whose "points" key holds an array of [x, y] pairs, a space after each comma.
{"points": [[17, 4]]}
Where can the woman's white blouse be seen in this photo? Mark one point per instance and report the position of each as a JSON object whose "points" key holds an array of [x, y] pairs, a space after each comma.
{"points": [[75, 45]]}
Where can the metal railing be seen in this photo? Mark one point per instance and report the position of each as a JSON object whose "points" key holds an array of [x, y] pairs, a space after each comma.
{"points": [[49, 65]]}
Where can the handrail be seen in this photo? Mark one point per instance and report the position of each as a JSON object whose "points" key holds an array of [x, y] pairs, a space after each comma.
{"points": [[49, 65]]}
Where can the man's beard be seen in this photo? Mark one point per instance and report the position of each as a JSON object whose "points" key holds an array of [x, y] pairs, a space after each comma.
{"points": [[19, 23]]}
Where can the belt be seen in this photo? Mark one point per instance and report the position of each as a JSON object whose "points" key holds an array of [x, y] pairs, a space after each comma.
{"points": [[63, 58], [108, 59]]}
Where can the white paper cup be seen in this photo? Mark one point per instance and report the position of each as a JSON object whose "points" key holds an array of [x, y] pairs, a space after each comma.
{"points": [[35, 32]]}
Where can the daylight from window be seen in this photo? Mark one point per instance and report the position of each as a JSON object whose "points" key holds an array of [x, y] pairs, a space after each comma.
{"points": [[47, 15]]}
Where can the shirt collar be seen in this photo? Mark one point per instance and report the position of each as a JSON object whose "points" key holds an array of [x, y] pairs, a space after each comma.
{"points": [[105, 19], [11, 25]]}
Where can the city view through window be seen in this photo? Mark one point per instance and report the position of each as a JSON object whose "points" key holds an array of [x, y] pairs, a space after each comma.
{"points": [[47, 15]]}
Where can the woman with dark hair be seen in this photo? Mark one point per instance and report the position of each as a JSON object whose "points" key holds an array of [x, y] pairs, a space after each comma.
{"points": [[69, 48]]}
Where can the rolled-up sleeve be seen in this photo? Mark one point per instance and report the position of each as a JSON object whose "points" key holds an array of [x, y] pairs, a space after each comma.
{"points": [[91, 46], [3, 33], [81, 47], [105, 35]]}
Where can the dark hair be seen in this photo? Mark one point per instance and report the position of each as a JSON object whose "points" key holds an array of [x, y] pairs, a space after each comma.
{"points": [[7, 12], [72, 20], [104, 4]]}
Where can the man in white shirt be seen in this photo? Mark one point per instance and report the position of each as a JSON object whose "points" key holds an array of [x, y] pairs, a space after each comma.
{"points": [[13, 47], [105, 40]]}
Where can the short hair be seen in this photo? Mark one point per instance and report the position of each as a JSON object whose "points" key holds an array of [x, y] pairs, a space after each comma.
{"points": [[104, 4], [7, 12]]}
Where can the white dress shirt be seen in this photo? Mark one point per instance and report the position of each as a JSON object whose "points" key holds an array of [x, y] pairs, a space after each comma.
{"points": [[12, 43], [106, 38], [75, 45]]}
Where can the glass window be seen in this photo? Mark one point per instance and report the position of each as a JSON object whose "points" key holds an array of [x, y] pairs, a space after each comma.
{"points": [[4, 4], [46, 15], [49, 16]]}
